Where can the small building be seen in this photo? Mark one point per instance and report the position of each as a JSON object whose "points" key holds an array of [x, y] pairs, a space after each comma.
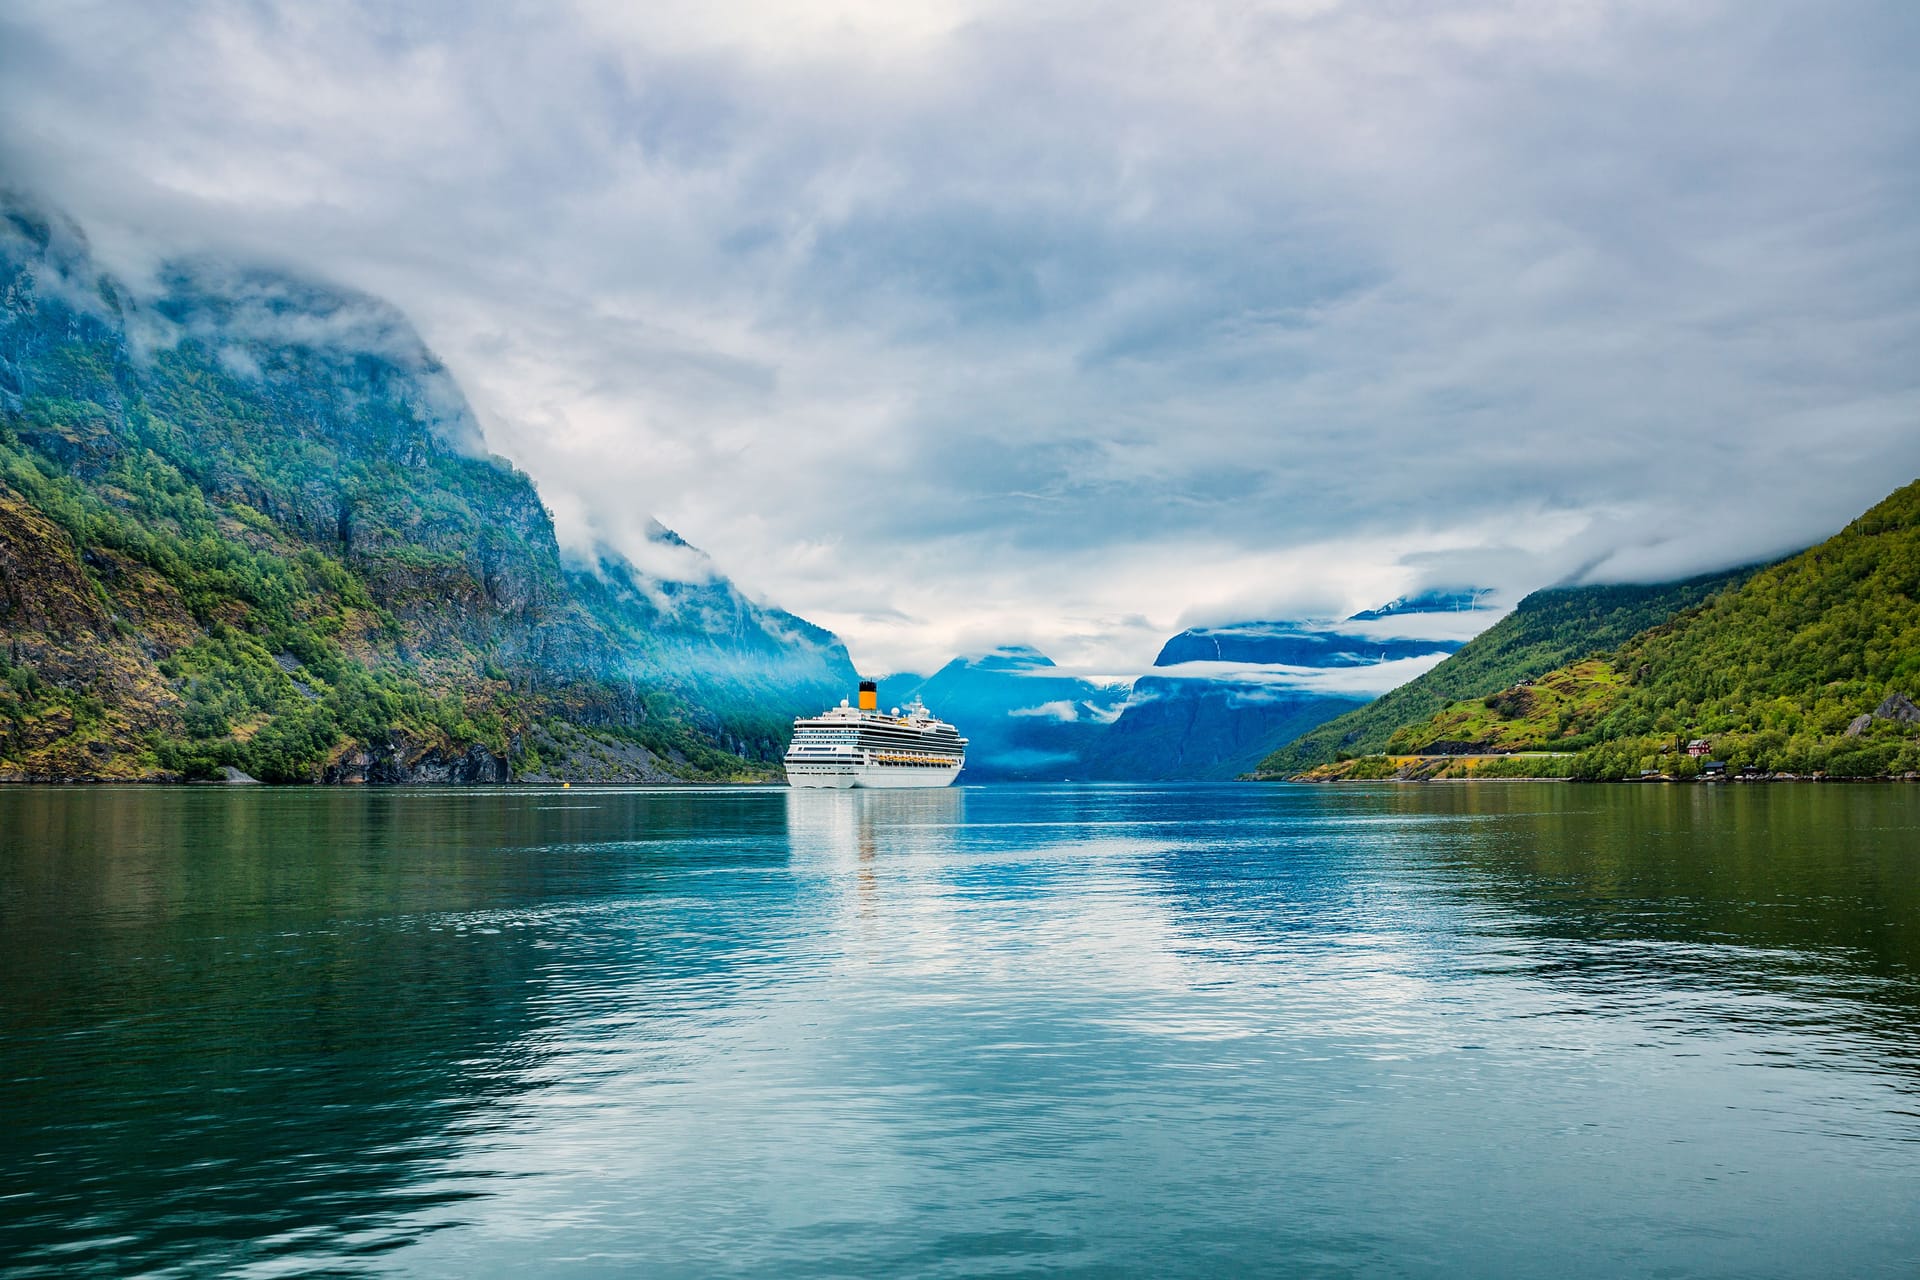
{"points": [[1699, 747], [1714, 769]]}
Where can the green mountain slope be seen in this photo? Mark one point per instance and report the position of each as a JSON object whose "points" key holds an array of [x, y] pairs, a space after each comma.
{"points": [[1807, 667], [250, 523], [1545, 630]]}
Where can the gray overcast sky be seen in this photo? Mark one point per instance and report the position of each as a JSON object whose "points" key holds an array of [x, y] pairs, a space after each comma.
{"points": [[960, 323]]}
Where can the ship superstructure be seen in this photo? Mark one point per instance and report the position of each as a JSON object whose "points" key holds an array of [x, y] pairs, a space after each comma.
{"points": [[862, 746]]}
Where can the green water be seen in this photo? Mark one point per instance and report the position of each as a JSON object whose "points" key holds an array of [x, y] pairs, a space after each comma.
{"points": [[1496, 1030]]}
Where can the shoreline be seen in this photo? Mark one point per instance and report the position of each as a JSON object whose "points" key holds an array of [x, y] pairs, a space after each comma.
{"points": [[1588, 782], [249, 784]]}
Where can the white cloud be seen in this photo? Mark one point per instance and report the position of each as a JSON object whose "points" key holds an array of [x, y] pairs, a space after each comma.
{"points": [[1360, 681], [1459, 626], [954, 324], [1061, 710]]}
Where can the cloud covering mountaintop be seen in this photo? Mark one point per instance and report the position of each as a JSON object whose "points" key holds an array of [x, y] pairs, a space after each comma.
{"points": [[956, 324]]}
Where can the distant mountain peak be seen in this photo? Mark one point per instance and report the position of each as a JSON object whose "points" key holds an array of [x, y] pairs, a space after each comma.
{"points": [[1432, 600], [1290, 644], [1012, 657]]}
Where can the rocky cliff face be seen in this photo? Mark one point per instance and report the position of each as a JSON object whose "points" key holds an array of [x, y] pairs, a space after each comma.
{"points": [[249, 522], [392, 758]]}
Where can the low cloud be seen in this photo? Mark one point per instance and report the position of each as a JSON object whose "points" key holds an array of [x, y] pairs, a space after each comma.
{"points": [[1061, 711], [1370, 680], [1458, 626]]}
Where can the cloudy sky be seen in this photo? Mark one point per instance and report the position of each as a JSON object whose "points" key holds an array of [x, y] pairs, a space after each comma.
{"points": [[966, 322]]}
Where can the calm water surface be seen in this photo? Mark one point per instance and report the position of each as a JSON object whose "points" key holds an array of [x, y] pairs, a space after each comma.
{"points": [[1501, 1030]]}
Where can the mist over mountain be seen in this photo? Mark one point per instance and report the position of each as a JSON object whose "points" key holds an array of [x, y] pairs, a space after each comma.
{"points": [[752, 665], [1803, 667], [1136, 313], [1547, 628], [1426, 604], [1295, 644], [1217, 700], [1022, 716], [286, 550], [249, 523]]}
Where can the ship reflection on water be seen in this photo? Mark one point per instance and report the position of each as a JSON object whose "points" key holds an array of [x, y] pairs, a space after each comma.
{"points": [[840, 832]]}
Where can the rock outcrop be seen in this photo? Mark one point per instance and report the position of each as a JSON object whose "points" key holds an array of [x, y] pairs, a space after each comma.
{"points": [[1899, 708], [394, 759], [1895, 707]]}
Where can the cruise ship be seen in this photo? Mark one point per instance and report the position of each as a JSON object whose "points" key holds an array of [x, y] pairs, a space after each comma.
{"points": [[865, 747]]}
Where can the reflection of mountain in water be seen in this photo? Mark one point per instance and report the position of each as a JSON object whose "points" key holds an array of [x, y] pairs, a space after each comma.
{"points": [[300, 1046], [1791, 876], [835, 1033], [244, 1024], [1755, 910]]}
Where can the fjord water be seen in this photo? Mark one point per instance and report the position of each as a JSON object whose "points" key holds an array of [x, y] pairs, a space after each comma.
{"points": [[1500, 1029]]}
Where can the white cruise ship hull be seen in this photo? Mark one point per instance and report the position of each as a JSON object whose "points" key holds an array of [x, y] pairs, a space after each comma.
{"points": [[845, 747], [846, 776]]}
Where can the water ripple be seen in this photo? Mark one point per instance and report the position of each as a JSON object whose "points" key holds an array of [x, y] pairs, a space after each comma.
{"points": [[1110, 1030]]}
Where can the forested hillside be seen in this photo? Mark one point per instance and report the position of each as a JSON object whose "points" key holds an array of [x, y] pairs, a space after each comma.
{"points": [[1545, 630], [249, 523], [1808, 667]]}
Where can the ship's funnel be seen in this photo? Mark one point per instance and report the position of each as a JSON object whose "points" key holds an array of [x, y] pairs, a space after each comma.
{"points": [[869, 696]]}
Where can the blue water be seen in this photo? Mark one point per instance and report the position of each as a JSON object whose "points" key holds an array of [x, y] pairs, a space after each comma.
{"points": [[1516, 1029]]}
